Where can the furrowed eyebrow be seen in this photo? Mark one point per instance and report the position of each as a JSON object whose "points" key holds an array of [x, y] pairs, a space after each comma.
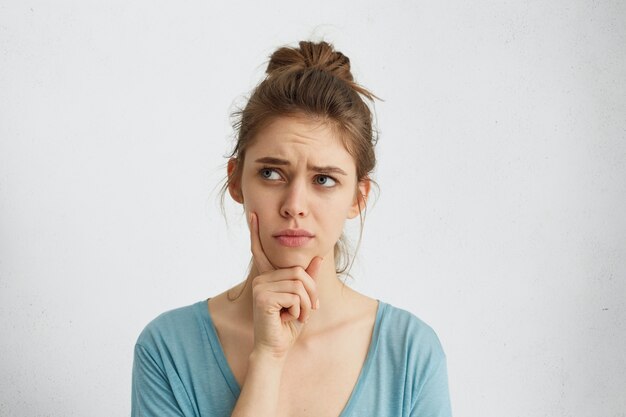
{"points": [[329, 170], [273, 161], [278, 161]]}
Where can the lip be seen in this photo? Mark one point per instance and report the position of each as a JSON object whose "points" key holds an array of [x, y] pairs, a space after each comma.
{"points": [[293, 238], [294, 232]]}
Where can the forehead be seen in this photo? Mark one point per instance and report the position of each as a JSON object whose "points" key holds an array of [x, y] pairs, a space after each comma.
{"points": [[299, 139]]}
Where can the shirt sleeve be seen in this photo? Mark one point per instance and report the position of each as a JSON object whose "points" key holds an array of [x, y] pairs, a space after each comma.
{"points": [[152, 394], [433, 397]]}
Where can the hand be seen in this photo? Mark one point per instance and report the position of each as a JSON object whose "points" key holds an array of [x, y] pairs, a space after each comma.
{"points": [[282, 299]]}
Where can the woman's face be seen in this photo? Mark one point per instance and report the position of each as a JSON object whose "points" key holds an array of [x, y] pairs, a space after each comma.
{"points": [[301, 182]]}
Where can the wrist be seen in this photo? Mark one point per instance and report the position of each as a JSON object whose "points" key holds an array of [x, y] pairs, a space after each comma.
{"points": [[261, 356]]}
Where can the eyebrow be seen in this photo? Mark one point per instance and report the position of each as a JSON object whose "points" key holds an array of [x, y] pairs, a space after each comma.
{"points": [[278, 161]]}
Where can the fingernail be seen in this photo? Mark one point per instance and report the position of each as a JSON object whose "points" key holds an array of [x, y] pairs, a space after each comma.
{"points": [[317, 304]]}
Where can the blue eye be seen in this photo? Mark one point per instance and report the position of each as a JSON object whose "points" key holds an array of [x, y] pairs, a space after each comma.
{"points": [[325, 181], [269, 174]]}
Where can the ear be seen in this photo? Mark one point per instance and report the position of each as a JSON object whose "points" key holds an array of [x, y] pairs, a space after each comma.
{"points": [[360, 199], [234, 184]]}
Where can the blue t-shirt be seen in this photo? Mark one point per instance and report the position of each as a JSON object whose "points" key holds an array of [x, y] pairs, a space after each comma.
{"points": [[180, 369]]}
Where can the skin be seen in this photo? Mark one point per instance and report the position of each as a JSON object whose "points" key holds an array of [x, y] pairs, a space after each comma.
{"points": [[280, 298], [314, 187]]}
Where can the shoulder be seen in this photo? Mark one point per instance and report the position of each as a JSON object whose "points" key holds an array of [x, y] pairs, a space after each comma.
{"points": [[171, 327], [409, 345], [402, 330]]}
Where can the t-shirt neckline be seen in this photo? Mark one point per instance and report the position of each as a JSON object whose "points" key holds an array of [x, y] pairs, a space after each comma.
{"points": [[220, 357]]}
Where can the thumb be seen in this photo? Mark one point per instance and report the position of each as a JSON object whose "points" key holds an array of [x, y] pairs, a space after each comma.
{"points": [[314, 266]]}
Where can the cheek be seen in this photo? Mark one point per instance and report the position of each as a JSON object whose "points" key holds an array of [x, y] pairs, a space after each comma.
{"points": [[254, 199], [333, 218], [265, 210]]}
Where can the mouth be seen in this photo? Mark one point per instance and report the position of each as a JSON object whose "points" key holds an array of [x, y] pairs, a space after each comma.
{"points": [[293, 238]]}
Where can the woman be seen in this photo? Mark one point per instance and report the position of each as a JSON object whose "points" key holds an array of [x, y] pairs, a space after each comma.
{"points": [[292, 339]]}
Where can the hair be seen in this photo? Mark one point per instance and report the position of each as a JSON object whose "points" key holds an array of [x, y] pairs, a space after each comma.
{"points": [[314, 81]]}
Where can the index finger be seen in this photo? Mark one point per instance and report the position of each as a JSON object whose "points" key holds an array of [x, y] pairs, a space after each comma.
{"points": [[259, 258]]}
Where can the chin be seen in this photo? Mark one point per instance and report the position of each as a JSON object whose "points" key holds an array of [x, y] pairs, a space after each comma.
{"points": [[289, 260]]}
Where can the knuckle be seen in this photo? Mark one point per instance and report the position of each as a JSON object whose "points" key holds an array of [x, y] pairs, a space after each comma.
{"points": [[298, 270], [300, 274], [262, 298], [256, 281], [258, 289]]}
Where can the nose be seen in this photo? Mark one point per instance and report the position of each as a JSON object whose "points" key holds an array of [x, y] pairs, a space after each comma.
{"points": [[294, 203]]}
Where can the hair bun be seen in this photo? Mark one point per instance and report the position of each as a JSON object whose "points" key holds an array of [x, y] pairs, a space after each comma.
{"points": [[312, 55]]}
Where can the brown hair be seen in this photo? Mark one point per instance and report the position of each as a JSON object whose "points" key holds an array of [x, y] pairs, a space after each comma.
{"points": [[313, 80]]}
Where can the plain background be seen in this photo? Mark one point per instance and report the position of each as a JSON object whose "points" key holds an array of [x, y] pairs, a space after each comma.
{"points": [[502, 170]]}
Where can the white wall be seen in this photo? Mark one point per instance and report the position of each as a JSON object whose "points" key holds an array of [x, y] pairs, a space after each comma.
{"points": [[502, 166]]}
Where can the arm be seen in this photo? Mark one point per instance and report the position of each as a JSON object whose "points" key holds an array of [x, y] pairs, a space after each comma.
{"points": [[260, 391]]}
